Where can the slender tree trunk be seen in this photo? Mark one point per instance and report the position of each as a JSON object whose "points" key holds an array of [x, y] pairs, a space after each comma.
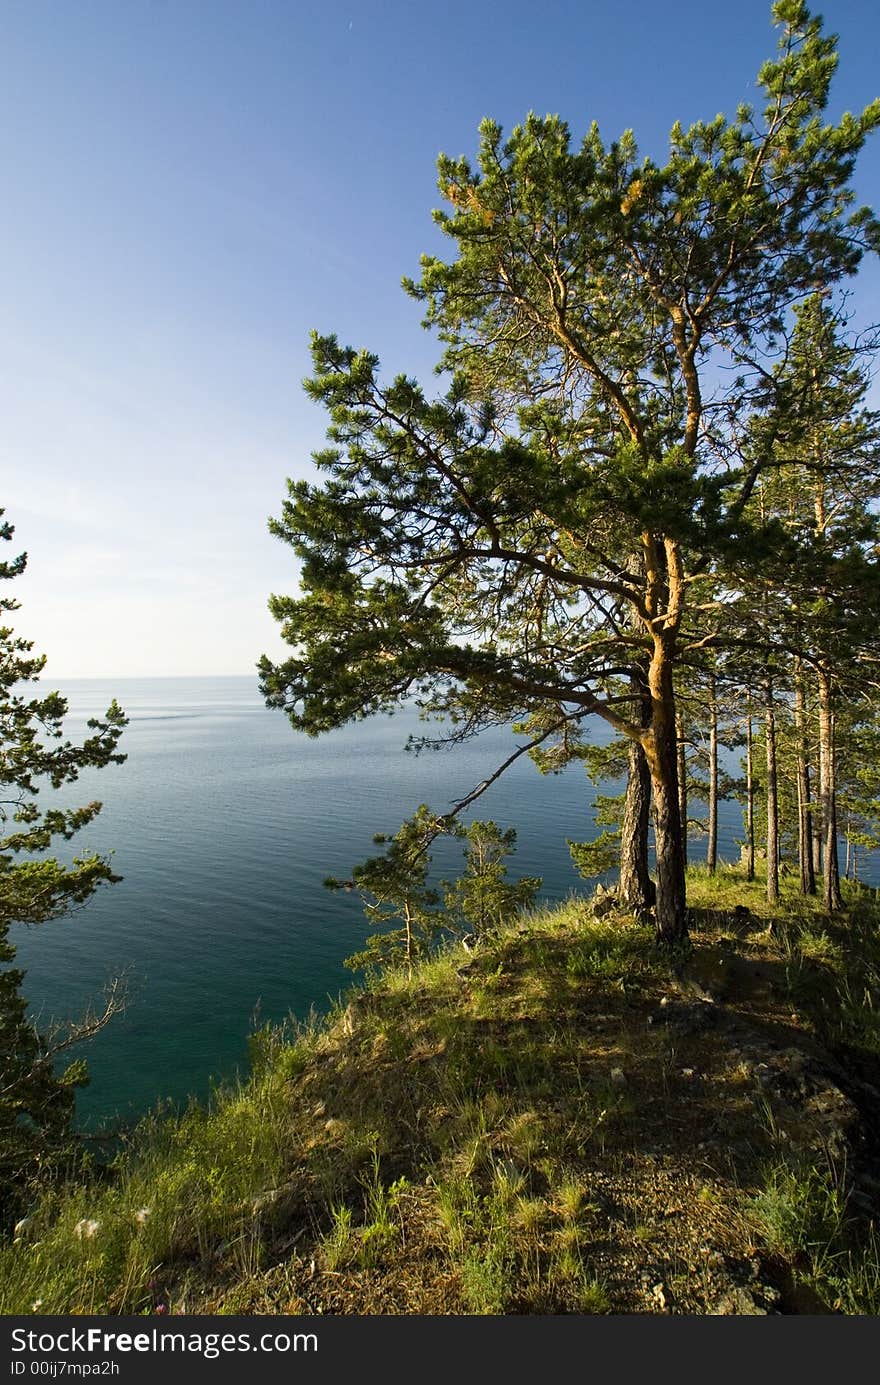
{"points": [[662, 755], [407, 917], [637, 889], [712, 845], [805, 815], [772, 798], [816, 819], [832, 897], [750, 798], [681, 770], [817, 844], [847, 874]]}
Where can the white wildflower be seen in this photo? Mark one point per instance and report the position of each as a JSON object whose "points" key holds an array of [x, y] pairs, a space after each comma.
{"points": [[36, 1305], [141, 1215], [86, 1230]]}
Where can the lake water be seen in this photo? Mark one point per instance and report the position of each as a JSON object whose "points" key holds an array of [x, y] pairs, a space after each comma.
{"points": [[223, 823]]}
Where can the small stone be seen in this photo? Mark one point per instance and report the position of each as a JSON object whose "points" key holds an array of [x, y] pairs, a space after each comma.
{"points": [[738, 1302], [618, 1077], [687, 1073]]}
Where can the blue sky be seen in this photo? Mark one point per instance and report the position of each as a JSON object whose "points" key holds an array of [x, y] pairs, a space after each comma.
{"points": [[189, 188]]}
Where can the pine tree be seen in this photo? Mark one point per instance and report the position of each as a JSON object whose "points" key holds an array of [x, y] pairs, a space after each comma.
{"points": [[476, 549], [482, 896], [395, 889], [37, 1100], [819, 602]]}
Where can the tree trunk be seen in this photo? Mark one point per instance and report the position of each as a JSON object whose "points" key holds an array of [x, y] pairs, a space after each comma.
{"points": [[712, 845], [637, 889], [832, 897], [750, 799], [772, 798], [681, 770], [816, 819], [805, 814], [407, 918], [661, 753]]}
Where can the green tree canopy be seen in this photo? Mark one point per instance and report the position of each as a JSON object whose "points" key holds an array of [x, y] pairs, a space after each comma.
{"points": [[36, 1101], [515, 548]]}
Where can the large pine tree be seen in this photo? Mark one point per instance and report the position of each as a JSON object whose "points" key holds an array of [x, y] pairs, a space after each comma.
{"points": [[532, 543]]}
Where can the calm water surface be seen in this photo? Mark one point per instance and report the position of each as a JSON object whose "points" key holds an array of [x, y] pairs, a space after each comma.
{"points": [[223, 823]]}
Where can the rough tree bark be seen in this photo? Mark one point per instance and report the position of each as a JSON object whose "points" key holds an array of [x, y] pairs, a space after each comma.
{"points": [[712, 844], [661, 752], [772, 797], [636, 886], [681, 768], [750, 797], [805, 813], [831, 895], [816, 823]]}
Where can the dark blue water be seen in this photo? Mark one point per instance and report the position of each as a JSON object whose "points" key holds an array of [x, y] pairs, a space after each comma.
{"points": [[224, 823]]}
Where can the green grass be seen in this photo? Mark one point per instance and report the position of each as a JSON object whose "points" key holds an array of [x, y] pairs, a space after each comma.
{"points": [[181, 1188], [801, 1213], [438, 1138]]}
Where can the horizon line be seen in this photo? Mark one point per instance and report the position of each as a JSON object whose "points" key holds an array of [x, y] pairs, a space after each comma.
{"points": [[93, 677]]}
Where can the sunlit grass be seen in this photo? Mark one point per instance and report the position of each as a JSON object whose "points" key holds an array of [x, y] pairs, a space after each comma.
{"points": [[460, 1113]]}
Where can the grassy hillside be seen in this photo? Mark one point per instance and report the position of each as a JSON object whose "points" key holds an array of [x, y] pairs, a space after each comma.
{"points": [[562, 1120]]}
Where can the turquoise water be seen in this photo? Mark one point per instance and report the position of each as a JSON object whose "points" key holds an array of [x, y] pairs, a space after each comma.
{"points": [[223, 823]]}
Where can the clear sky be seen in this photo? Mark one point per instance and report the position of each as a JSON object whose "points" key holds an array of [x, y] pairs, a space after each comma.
{"points": [[190, 186]]}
